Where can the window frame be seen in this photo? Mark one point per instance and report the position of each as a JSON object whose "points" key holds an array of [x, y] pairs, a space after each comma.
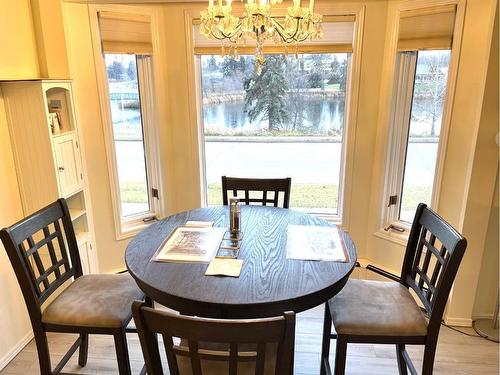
{"points": [[127, 227], [404, 85], [343, 220], [131, 224], [386, 106], [333, 217]]}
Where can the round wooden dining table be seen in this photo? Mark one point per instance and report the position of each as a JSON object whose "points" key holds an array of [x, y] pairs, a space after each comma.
{"points": [[269, 283]]}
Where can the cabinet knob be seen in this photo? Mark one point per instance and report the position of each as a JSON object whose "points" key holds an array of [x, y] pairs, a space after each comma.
{"points": [[61, 168]]}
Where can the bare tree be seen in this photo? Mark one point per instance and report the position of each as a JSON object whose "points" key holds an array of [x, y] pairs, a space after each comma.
{"points": [[430, 87], [297, 81]]}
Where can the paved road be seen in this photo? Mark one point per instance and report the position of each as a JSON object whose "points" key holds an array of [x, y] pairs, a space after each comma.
{"points": [[304, 162]]}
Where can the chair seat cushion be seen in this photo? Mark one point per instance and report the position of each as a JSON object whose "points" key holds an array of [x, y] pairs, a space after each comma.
{"points": [[95, 301], [376, 308]]}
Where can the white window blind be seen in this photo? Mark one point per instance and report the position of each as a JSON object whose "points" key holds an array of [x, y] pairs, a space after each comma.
{"points": [[338, 36], [125, 33], [429, 28]]}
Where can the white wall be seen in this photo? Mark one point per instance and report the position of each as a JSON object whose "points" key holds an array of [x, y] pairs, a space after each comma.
{"points": [[14, 321], [487, 288], [16, 37]]}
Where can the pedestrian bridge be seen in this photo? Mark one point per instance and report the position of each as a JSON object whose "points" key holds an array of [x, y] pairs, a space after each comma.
{"points": [[124, 96]]}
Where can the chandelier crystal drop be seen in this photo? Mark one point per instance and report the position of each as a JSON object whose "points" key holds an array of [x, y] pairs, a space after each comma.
{"points": [[259, 24]]}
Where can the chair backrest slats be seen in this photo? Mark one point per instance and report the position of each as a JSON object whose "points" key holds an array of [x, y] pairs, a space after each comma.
{"points": [[263, 185], [37, 248], [233, 358], [230, 333], [195, 359], [433, 254], [261, 358], [169, 350], [52, 252]]}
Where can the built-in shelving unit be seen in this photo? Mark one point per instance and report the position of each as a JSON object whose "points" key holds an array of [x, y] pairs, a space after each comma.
{"points": [[47, 152]]}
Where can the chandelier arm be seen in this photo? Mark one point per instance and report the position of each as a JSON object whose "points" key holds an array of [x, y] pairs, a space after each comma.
{"points": [[293, 38], [222, 35], [283, 33]]}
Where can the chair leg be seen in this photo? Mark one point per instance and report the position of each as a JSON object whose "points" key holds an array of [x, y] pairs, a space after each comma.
{"points": [[149, 302], [42, 348], [429, 354], [84, 349], [325, 347], [403, 369], [340, 355], [122, 352]]}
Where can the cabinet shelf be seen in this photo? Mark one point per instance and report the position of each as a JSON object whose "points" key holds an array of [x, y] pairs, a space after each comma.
{"points": [[80, 235], [63, 133], [75, 213]]}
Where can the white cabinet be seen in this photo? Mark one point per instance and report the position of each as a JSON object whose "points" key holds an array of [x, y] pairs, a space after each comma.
{"points": [[47, 152], [86, 255], [68, 163]]}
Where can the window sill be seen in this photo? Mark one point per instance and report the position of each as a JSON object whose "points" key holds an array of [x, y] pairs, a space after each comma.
{"points": [[334, 219], [327, 215], [129, 230], [394, 237]]}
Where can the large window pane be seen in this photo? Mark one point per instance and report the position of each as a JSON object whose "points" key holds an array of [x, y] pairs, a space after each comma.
{"points": [[424, 130], [286, 122], [128, 133]]}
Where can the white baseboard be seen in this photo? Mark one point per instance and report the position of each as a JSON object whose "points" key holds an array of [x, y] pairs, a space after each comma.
{"points": [[458, 322], [482, 316], [9, 356]]}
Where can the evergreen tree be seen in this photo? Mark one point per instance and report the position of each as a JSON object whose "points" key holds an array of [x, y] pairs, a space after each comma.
{"points": [[343, 74], [116, 70], [232, 67], [315, 78], [265, 94], [132, 71], [297, 82], [212, 64], [335, 74]]}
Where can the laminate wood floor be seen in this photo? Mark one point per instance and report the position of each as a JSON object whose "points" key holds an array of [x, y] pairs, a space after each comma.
{"points": [[456, 353]]}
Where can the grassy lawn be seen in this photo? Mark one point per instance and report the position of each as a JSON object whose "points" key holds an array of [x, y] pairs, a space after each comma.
{"points": [[414, 195], [332, 86], [133, 192], [302, 195]]}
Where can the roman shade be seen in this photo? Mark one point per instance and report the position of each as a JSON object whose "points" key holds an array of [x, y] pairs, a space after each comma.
{"points": [[125, 33], [429, 28], [338, 36]]}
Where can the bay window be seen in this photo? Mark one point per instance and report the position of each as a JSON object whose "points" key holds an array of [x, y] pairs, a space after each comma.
{"points": [[420, 93]]}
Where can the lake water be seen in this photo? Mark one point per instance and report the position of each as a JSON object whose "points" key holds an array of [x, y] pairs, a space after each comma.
{"points": [[314, 117], [317, 116]]}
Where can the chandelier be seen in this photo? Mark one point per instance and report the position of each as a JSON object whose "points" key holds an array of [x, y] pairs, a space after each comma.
{"points": [[259, 24]]}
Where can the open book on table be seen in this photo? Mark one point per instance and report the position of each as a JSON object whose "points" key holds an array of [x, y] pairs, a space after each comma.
{"points": [[190, 244], [310, 242]]}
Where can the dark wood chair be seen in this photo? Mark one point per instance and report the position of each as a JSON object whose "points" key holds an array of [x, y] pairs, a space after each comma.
{"points": [[99, 304], [264, 185], [385, 312], [216, 346]]}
